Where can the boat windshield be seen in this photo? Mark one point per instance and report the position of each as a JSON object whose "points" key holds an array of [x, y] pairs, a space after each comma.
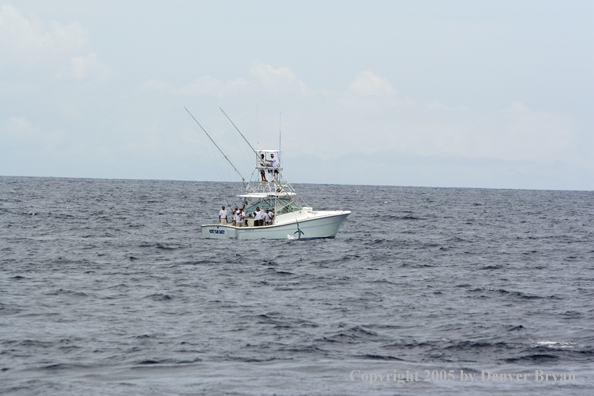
{"points": [[278, 206], [288, 208]]}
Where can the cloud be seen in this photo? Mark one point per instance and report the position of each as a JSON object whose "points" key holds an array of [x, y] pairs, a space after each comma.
{"points": [[211, 86], [369, 116], [537, 135], [17, 132], [368, 84], [87, 69], [155, 85], [19, 129], [437, 105], [30, 41], [516, 133], [372, 94], [264, 79], [279, 80]]}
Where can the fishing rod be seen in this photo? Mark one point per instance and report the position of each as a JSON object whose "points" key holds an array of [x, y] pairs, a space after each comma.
{"points": [[239, 132], [213, 142]]}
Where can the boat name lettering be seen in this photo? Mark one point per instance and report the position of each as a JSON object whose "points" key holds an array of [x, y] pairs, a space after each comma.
{"points": [[216, 231]]}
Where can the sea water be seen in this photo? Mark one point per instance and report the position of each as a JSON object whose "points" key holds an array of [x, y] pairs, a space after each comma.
{"points": [[108, 288]]}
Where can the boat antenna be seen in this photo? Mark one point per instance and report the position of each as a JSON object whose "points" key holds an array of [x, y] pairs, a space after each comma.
{"points": [[279, 135], [242, 179], [239, 131]]}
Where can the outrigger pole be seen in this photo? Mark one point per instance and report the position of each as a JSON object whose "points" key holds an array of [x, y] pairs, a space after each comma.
{"points": [[213, 142], [239, 132]]}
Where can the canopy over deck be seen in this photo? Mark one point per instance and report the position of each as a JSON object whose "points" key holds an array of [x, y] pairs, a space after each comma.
{"points": [[267, 194]]}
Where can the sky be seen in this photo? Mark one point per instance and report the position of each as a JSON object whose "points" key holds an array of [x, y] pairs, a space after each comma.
{"points": [[406, 93]]}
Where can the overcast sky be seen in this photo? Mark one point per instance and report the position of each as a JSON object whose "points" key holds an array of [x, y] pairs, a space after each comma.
{"points": [[495, 94]]}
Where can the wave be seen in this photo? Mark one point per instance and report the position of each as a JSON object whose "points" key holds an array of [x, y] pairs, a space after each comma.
{"points": [[518, 294], [66, 292], [377, 357], [353, 335], [159, 297], [534, 358]]}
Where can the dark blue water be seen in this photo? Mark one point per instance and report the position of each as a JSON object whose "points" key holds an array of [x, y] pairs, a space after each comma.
{"points": [[107, 288]]}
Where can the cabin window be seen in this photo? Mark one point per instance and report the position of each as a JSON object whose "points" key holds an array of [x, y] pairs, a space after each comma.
{"points": [[279, 206]]}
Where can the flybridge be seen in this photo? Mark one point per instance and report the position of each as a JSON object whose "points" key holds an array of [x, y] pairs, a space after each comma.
{"points": [[264, 195], [271, 182]]}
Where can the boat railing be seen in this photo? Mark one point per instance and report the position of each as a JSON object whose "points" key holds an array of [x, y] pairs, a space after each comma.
{"points": [[261, 166]]}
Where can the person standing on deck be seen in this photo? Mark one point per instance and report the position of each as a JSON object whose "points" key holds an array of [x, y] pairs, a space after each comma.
{"points": [[255, 215], [273, 163], [268, 217], [242, 218], [259, 217], [223, 216], [263, 172], [237, 217], [233, 216]]}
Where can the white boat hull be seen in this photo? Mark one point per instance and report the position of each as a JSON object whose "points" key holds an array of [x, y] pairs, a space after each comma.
{"points": [[299, 225]]}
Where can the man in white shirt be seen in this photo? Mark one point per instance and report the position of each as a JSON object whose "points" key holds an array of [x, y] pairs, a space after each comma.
{"points": [[233, 215], [268, 217], [263, 172], [254, 216], [237, 218], [273, 163], [223, 216], [259, 217], [242, 218]]}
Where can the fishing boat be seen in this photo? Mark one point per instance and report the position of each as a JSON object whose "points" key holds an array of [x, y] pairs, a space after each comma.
{"points": [[268, 189]]}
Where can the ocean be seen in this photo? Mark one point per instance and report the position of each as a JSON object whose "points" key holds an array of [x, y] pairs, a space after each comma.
{"points": [[107, 287]]}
